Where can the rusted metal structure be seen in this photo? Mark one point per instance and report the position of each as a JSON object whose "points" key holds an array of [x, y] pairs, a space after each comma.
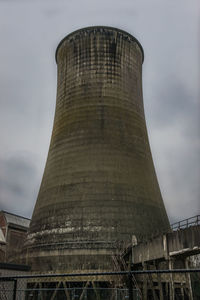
{"points": [[99, 189]]}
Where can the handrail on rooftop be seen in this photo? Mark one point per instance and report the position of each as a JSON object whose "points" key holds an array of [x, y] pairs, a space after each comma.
{"points": [[186, 223]]}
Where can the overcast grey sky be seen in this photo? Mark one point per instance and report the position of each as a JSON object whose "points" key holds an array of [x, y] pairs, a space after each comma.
{"points": [[169, 33]]}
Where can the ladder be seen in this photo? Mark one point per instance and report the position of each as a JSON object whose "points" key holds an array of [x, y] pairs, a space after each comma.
{"points": [[121, 265]]}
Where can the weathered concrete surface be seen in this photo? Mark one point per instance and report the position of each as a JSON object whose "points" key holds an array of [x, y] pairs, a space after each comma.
{"points": [[99, 185], [180, 243]]}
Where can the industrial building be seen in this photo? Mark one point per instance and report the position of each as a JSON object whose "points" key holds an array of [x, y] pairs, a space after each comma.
{"points": [[13, 232]]}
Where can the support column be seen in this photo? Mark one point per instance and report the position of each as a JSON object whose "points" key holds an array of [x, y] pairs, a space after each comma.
{"points": [[159, 283], [172, 291], [188, 280], [145, 284]]}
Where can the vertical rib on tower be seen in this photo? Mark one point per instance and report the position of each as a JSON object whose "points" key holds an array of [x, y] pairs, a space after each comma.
{"points": [[99, 185]]}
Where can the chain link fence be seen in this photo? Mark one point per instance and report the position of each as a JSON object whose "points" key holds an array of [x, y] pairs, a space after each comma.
{"points": [[134, 285]]}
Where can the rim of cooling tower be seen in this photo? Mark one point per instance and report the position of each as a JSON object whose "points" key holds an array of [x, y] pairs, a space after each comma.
{"points": [[100, 27]]}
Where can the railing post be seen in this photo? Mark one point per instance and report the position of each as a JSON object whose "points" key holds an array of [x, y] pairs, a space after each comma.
{"points": [[15, 290], [130, 286]]}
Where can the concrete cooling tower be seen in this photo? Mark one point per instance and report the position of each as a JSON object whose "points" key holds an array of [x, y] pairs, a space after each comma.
{"points": [[99, 187]]}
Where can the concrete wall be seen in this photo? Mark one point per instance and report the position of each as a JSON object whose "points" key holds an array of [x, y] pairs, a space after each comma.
{"points": [[177, 244]]}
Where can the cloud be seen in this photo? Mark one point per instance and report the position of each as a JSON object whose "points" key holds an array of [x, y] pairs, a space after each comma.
{"points": [[173, 103], [19, 184]]}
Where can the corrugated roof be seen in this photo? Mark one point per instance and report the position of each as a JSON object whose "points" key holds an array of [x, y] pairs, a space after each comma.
{"points": [[17, 220], [2, 237]]}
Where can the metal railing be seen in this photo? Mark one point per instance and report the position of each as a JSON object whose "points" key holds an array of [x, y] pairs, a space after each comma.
{"points": [[186, 223], [98, 286]]}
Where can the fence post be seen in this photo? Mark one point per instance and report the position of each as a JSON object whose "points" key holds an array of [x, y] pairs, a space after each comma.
{"points": [[130, 286], [15, 290]]}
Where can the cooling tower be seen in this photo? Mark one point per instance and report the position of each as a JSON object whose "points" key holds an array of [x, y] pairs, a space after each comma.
{"points": [[99, 187]]}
